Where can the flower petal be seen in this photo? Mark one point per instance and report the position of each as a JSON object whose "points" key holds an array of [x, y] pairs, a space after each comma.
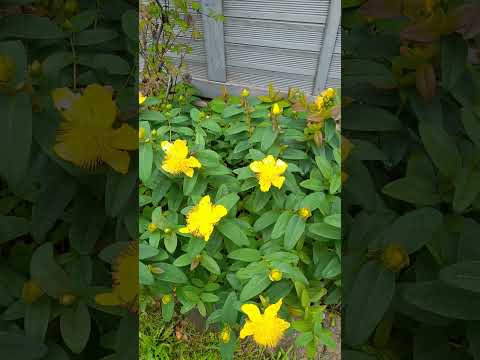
{"points": [[119, 160], [278, 181], [219, 211], [188, 172], [181, 149], [166, 146], [281, 166], [273, 309], [264, 184], [252, 311], [193, 162], [107, 299], [248, 329], [124, 138], [256, 166]]}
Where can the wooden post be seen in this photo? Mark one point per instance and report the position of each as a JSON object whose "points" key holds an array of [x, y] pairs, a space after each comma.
{"points": [[328, 45], [214, 40]]}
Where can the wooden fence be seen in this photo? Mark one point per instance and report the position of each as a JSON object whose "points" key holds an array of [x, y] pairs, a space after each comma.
{"points": [[290, 43]]}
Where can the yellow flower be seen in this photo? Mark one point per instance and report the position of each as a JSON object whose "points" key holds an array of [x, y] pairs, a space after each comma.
{"points": [[31, 292], [141, 133], [7, 70], [85, 136], [177, 160], [152, 227], [276, 110], [203, 217], [125, 281], [267, 329], [225, 334], [330, 92], [395, 258], [141, 98], [304, 213], [166, 299], [245, 93], [275, 275], [269, 172]]}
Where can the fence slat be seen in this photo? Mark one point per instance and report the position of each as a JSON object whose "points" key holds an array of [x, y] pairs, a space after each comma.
{"points": [[214, 40], [328, 47]]}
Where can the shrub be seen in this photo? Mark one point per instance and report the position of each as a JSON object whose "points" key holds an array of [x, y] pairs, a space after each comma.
{"points": [[271, 167]]}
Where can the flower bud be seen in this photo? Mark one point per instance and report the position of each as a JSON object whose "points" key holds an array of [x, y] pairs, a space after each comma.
{"points": [[168, 107], [67, 25], [67, 299], [7, 70], [71, 7], [153, 132], [245, 93], [167, 230], [275, 275], [395, 258], [36, 68], [225, 335], [304, 213], [276, 110], [166, 299], [141, 133], [152, 227], [155, 270], [31, 292]]}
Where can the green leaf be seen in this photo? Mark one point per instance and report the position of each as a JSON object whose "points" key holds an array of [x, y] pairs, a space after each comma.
{"points": [[471, 122], [281, 224], [454, 60], [232, 110], [441, 148], [228, 201], [268, 138], [15, 136], [171, 273], [170, 241], [334, 220], [12, 227], [94, 37], [232, 230], [265, 220], [147, 251], [368, 301], [112, 64], [325, 230], [168, 310], [466, 189], [37, 317], [145, 277], [413, 229], [464, 275], [293, 231], [247, 255], [83, 20], [413, 190], [189, 183], [75, 327], [372, 119], [47, 273], [209, 297], [51, 203], [130, 24], [28, 26], [20, 347], [303, 339], [210, 264], [254, 286], [436, 297], [229, 312]]}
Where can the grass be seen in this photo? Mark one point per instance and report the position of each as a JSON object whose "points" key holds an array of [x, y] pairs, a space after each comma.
{"points": [[159, 341]]}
